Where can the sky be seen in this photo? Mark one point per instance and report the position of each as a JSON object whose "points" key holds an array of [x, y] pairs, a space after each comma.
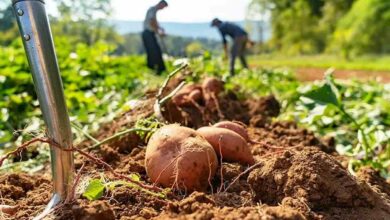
{"points": [[179, 10]]}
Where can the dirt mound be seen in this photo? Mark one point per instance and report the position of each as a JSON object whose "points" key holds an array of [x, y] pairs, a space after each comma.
{"points": [[201, 206], [315, 179], [373, 178], [285, 134], [296, 177], [29, 193]]}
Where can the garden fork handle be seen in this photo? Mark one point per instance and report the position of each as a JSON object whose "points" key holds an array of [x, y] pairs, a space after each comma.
{"points": [[38, 43]]}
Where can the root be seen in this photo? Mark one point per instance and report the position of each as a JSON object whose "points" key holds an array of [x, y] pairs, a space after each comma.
{"points": [[166, 167], [72, 195], [221, 170], [214, 98], [199, 108], [20, 149], [209, 178], [242, 174], [89, 156], [249, 170]]}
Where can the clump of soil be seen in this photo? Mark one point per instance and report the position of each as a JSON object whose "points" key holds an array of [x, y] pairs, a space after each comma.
{"points": [[29, 193], [201, 206], [296, 176], [315, 179]]}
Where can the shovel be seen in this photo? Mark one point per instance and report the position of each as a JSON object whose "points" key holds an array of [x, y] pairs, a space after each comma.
{"points": [[38, 44]]}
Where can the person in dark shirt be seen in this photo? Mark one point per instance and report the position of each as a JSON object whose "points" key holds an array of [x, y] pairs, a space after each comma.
{"points": [[151, 29], [239, 37]]}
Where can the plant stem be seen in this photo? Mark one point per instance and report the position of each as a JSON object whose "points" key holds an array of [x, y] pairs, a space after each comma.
{"points": [[170, 95], [359, 127], [118, 135], [84, 132], [161, 90]]}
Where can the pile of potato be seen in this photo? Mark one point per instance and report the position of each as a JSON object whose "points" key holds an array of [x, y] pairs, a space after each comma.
{"points": [[187, 159], [205, 93]]}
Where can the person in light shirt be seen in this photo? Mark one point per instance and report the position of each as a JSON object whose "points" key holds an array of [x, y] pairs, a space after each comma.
{"points": [[151, 29]]}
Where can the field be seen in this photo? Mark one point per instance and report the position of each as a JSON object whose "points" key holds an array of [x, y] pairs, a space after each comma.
{"points": [[365, 63], [321, 149]]}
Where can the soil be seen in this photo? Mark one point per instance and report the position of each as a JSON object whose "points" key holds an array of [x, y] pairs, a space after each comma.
{"points": [[296, 176], [312, 74]]}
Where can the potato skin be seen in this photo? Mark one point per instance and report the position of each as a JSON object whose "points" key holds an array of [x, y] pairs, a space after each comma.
{"points": [[196, 95], [181, 98], [234, 148], [238, 128], [181, 158], [212, 85]]}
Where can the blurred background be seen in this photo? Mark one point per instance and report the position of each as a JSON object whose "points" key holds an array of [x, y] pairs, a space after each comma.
{"points": [[346, 28]]}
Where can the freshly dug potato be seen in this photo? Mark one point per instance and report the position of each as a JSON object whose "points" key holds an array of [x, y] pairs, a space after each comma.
{"points": [[212, 85], [233, 126], [234, 148], [179, 157], [196, 95], [182, 97], [9, 210]]}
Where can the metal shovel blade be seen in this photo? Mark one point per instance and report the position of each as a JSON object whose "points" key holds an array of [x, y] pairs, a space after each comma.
{"points": [[38, 43]]}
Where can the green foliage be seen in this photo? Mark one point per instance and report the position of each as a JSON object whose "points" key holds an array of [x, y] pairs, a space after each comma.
{"points": [[96, 187], [194, 49], [96, 85], [175, 46], [354, 113], [365, 29], [346, 27], [150, 123], [323, 95], [94, 190], [370, 63]]}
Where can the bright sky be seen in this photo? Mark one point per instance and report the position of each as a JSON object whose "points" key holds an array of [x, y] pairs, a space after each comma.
{"points": [[180, 10], [183, 10]]}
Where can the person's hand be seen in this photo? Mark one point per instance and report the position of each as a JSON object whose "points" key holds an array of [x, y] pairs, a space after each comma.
{"points": [[225, 52], [161, 32]]}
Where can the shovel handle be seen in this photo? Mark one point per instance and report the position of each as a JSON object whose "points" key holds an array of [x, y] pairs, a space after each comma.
{"points": [[38, 43]]}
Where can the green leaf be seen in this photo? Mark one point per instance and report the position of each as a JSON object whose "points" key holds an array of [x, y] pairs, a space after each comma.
{"points": [[323, 95], [135, 177], [94, 190]]}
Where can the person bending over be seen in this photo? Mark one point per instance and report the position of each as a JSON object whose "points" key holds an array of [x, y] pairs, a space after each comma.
{"points": [[239, 37]]}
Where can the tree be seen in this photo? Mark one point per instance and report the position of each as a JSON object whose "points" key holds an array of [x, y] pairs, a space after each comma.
{"points": [[293, 24], [85, 20], [365, 29], [7, 18], [303, 26]]}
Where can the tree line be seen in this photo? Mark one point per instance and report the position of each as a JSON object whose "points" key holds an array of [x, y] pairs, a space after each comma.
{"points": [[346, 27], [86, 22]]}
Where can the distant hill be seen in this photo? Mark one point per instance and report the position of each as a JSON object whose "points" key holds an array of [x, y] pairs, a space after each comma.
{"points": [[192, 30]]}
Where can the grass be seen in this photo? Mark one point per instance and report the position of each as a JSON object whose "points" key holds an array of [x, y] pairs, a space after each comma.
{"points": [[367, 63]]}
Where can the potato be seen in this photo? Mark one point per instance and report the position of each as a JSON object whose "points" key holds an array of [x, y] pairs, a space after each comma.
{"points": [[182, 97], [212, 85], [179, 157], [233, 126], [196, 95], [9, 210], [234, 148]]}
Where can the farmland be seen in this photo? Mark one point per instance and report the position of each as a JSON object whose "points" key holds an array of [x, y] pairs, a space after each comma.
{"points": [[350, 117], [303, 133]]}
